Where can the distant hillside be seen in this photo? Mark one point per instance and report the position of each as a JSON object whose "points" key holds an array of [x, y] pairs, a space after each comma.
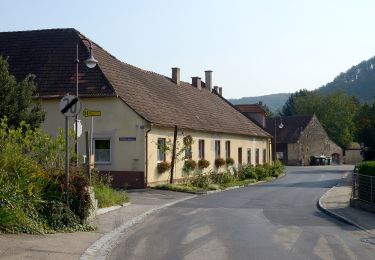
{"points": [[358, 81], [273, 101]]}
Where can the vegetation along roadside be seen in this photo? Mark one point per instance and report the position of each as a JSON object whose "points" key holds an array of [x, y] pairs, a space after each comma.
{"points": [[231, 176]]}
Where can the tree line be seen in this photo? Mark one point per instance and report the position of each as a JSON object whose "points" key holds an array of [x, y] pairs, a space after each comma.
{"points": [[343, 117]]}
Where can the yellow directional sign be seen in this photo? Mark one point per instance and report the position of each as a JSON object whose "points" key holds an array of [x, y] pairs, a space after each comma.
{"points": [[87, 113]]}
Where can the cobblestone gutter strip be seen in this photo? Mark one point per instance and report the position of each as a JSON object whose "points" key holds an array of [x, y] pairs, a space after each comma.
{"points": [[101, 248], [109, 209]]}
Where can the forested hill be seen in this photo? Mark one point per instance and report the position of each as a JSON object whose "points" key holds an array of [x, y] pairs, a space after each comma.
{"points": [[273, 101], [358, 81]]}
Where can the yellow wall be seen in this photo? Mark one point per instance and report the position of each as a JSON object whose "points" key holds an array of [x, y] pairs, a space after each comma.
{"points": [[236, 141], [117, 120]]}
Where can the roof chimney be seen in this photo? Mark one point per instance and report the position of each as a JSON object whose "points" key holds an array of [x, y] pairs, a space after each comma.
{"points": [[215, 90], [220, 91], [176, 76], [196, 82], [208, 79]]}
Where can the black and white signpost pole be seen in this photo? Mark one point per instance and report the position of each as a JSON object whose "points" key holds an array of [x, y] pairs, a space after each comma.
{"points": [[70, 106]]}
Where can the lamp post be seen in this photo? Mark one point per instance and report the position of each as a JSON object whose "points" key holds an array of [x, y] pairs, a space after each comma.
{"points": [[90, 63], [281, 125]]}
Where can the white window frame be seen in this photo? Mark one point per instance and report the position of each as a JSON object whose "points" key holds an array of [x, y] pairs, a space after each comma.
{"points": [[159, 150], [110, 150]]}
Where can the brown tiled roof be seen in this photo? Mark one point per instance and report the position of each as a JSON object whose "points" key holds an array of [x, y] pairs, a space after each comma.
{"points": [[293, 125], [250, 108], [50, 55]]}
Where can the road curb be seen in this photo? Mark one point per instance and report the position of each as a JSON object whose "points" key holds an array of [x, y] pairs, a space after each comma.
{"points": [[101, 247], [101, 211], [209, 192], [338, 216]]}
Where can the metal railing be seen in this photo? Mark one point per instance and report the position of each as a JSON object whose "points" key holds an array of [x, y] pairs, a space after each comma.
{"points": [[364, 188]]}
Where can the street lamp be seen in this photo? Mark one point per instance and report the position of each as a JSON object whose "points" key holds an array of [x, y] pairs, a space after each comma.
{"points": [[90, 63], [281, 125]]}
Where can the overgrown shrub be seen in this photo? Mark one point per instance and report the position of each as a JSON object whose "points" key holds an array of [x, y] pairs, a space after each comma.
{"points": [[277, 168], [219, 162], [221, 178], [367, 168], [33, 197], [261, 172], [229, 161], [163, 167], [202, 164], [200, 180], [247, 172]]}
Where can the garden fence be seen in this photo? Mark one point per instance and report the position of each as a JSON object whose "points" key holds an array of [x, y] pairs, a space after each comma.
{"points": [[364, 188]]}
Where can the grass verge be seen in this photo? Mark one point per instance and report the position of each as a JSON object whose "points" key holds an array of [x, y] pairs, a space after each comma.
{"points": [[108, 196]]}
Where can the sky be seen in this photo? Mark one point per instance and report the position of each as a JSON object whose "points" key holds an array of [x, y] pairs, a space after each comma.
{"points": [[253, 47]]}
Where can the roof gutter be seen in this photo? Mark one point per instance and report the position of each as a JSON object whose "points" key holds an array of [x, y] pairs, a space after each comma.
{"points": [[146, 159]]}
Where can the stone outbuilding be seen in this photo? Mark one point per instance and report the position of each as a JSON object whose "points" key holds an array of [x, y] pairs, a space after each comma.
{"points": [[300, 138]]}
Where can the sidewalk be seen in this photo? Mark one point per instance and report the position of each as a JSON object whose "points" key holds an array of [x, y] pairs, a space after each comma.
{"points": [[73, 245], [336, 201]]}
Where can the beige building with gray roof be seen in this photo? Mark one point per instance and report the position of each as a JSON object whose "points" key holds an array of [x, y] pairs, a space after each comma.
{"points": [[142, 113]]}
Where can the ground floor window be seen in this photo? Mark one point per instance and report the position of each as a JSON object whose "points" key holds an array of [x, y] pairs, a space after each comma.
{"points": [[201, 149], [227, 149], [248, 155], [257, 156], [161, 149], [264, 156], [102, 150], [217, 149], [239, 155]]}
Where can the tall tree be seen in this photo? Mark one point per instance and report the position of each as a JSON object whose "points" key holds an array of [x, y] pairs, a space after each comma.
{"points": [[365, 126], [266, 108], [335, 112], [289, 107], [16, 102]]}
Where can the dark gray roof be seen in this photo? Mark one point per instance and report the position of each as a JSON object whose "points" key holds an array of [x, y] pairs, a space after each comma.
{"points": [[293, 125]]}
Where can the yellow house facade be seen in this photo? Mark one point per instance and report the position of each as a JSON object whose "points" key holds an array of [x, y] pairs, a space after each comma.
{"points": [[142, 113]]}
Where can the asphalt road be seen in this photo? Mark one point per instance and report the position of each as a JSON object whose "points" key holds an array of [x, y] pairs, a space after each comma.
{"points": [[277, 220]]}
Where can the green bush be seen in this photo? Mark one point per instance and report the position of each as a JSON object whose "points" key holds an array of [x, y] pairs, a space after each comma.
{"points": [[202, 164], [163, 167], [32, 184], [219, 162], [221, 178], [200, 180], [261, 172], [247, 172], [367, 168], [277, 168], [229, 161]]}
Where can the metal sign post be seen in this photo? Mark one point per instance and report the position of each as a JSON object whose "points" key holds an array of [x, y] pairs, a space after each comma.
{"points": [[91, 113], [70, 106], [67, 158]]}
